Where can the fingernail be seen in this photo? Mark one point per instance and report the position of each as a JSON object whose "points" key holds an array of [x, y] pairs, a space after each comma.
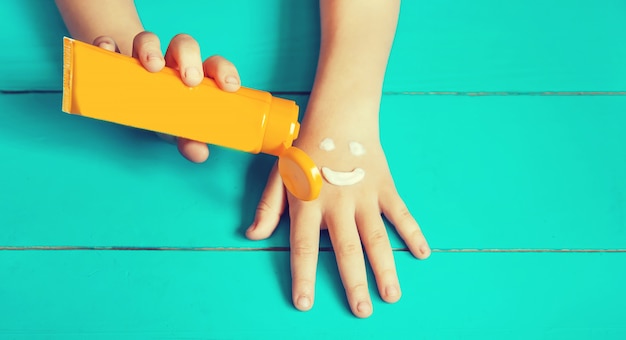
{"points": [[424, 250], [304, 302], [391, 291], [107, 46], [364, 307], [232, 80], [193, 74]]}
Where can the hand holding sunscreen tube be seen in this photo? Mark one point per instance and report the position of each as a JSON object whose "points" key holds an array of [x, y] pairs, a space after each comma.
{"points": [[113, 87]]}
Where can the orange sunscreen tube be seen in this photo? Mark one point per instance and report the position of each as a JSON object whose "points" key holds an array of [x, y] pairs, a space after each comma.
{"points": [[116, 88]]}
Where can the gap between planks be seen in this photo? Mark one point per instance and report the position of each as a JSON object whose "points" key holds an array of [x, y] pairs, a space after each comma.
{"points": [[416, 93], [286, 249]]}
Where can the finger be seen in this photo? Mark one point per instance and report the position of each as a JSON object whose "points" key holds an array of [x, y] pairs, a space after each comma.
{"points": [[378, 249], [183, 54], [269, 209], [345, 240], [147, 48], [106, 43], [194, 151], [304, 241], [395, 210], [223, 72]]}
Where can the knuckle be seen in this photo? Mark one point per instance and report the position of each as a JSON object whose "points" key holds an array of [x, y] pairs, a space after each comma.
{"points": [[103, 38], [267, 212], [358, 287], [387, 274], [377, 237], [342, 196], [184, 37], [142, 34], [416, 236], [349, 249], [185, 42], [303, 286], [210, 62], [221, 61], [265, 207], [145, 36], [403, 214], [303, 248]]}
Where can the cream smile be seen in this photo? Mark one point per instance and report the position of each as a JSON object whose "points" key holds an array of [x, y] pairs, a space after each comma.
{"points": [[342, 178]]}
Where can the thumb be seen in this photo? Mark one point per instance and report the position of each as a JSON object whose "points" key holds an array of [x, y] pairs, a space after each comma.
{"points": [[106, 43], [270, 208]]}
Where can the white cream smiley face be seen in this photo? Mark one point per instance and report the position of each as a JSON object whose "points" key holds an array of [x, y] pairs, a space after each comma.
{"points": [[342, 178]]}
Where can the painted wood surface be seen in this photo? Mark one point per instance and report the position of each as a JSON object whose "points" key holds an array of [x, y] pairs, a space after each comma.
{"points": [[478, 172], [244, 295], [504, 125], [447, 45]]}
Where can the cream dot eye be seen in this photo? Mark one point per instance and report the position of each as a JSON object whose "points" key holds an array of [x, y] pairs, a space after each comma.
{"points": [[357, 148], [327, 144]]}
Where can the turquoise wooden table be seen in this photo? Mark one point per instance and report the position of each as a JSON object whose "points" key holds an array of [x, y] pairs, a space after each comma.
{"points": [[505, 129]]}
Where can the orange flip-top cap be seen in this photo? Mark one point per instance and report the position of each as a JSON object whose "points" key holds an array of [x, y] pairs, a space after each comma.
{"points": [[300, 175]]}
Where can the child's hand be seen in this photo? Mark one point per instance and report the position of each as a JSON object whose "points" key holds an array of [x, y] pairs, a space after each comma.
{"points": [[183, 54], [351, 213]]}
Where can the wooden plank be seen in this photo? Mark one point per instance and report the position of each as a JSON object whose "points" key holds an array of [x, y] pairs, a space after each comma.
{"points": [[510, 171], [68, 180], [477, 172], [448, 45], [489, 45], [235, 295]]}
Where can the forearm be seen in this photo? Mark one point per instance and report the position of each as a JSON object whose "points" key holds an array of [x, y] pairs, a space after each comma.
{"points": [[356, 40], [87, 20]]}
